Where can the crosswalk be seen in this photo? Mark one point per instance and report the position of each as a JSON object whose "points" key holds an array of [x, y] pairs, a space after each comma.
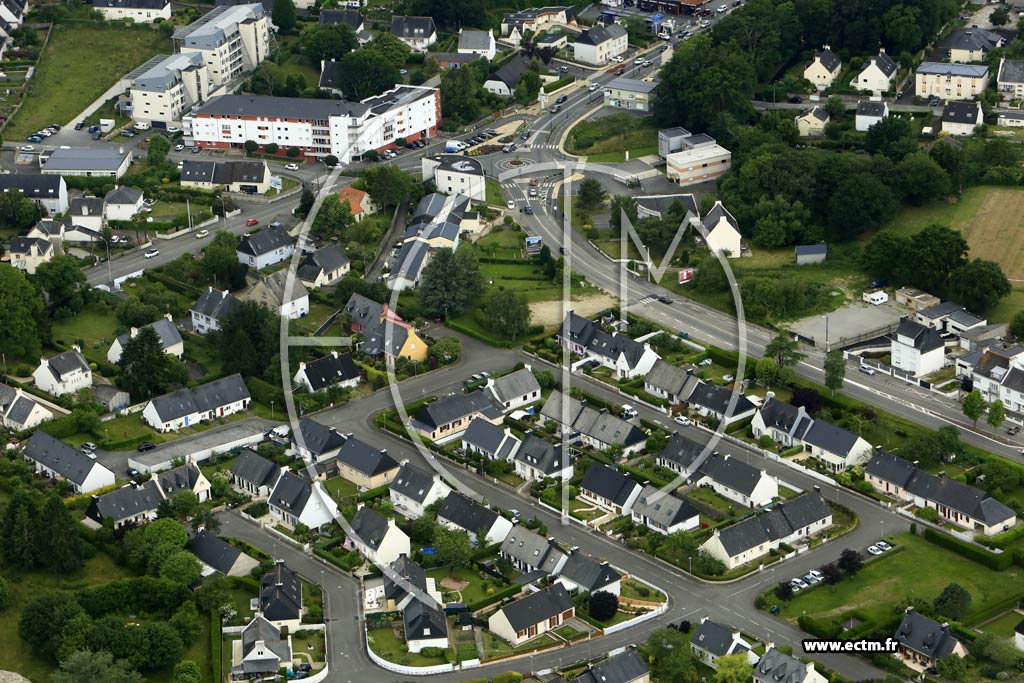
{"points": [[542, 146], [649, 299]]}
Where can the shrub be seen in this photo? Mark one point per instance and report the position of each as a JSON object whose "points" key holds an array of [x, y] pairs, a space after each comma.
{"points": [[257, 509], [507, 677], [432, 652]]}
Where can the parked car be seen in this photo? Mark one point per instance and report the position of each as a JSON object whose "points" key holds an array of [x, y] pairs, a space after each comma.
{"points": [[618, 59], [132, 472], [202, 233], [682, 420], [621, 70], [628, 412], [647, 62], [28, 148], [883, 546], [506, 149], [252, 221], [526, 135], [706, 362], [797, 584], [875, 550], [817, 574], [795, 100], [934, 101], [145, 446], [79, 125], [722, 9], [867, 369], [179, 147], [151, 253], [89, 446], [1013, 430], [276, 224], [563, 69], [810, 579], [291, 167], [127, 133], [196, 150]]}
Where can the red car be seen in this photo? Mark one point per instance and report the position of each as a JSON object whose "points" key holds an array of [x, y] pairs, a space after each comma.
{"points": [[621, 70], [252, 221]]}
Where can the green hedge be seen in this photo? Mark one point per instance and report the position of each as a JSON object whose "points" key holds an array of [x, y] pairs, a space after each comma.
{"points": [[969, 550], [560, 83], [264, 392], [176, 286], [479, 336], [372, 494], [1004, 539], [215, 645], [507, 677], [507, 592], [829, 631]]}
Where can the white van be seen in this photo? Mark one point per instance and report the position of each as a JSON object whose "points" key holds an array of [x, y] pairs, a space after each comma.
{"points": [[629, 412], [142, 125]]}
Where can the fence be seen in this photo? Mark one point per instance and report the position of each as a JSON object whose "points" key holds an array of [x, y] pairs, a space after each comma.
{"points": [[402, 669], [185, 231]]}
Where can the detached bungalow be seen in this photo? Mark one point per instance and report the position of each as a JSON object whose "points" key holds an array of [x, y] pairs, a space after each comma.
{"points": [[836, 447], [170, 339], [924, 641], [609, 489], [184, 478], [734, 479], [448, 417], [583, 574], [131, 504], [324, 267], [663, 512], [625, 667], [297, 501], [530, 552], [424, 625], [217, 555], [219, 398], [533, 615], [712, 641], [253, 474], [54, 459], [360, 463], [330, 371], [712, 401], [515, 390]]}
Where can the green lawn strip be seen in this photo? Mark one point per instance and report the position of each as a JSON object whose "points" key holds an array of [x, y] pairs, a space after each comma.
{"points": [[613, 135], [919, 570], [340, 488], [1002, 626], [494, 196], [579, 510], [310, 642], [569, 633], [389, 645], [94, 327], [631, 589], [705, 495], [69, 78], [496, 647]]}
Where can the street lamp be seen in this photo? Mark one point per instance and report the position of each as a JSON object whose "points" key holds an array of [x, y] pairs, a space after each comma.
{"points": [[691, 566], [271, 409], [110, 272]]}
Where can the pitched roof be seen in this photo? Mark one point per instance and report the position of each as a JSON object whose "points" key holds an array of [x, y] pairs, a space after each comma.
{"points": [[884, 63], [958, 496], [351, 17], [730, 472], [713, 217], [831, 438], [413, 27], [265, 241], [214, 552], [624, 667], [412, 482], [56, 455], [291, 493], [532, 549], [828, 59], [370, 527], [716, 399], [1011, 71], [515, 385], [413, 574], [177, 479], [542, 455], [365, 311], [66, 362], [280, 594], [484, 435], [466, 513], [681, 450], [817, 112], [354, 197], [511, 71], [122, 194], [598, 425], [260, 630], [363, 457], [780, 522], [588, 573], [783, 416], [475, 40], [85, 206], [669, 378], [131, 4], [201, 399], [331, 369], [778, 667], [608, 483], [868, 108], [165, 330], [713, 638], [963, 112], [216, 304], [128, 501], [25, 245], [453, 406], [925, 636], [255, 469], [663, 508], [973, 40], [537, 607], [600, 34], [890, 468], [316, 438], [423, 621], [32, 185]]}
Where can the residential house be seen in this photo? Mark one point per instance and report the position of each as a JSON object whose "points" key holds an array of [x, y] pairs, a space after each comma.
{"points": [[869, 113], [333, 370], [950, 81], [700, 160], [265, 248], [210, 310], [711, 641], [28, 253], [130, 505], [597, 429], [778, 667], [824, 68], [1010, 79], [598, 44], [360, 463], [110, 397], [54, 459], [917, 349], [515, 390], [184, 478], [438, 222], [581, 573], [455, 174], [216, 555], [937, 317], [406, 582], [477, 43], [170, 339], [681, 454], [553, 41], [998, 373], [783, 423], [667, 205], [489, 440], [95, 162], [876, 75], [419, 33], [670, 382], [529, 552], [424, 625], [709, 400], [20, 411], [753, 538], [538, 459], [448, 417], [185, 407], [536, 19], [231, 39], [811, 123], [504, 80], [314, 442], [376, 537], [735, 480], [534, 615], [609, 489], [359, 203], [966, 45], [123, 202], [253, 474], [248, 177], [924, 641], [462, 513], [722, 232], [955, 501], [66, 373], [626, 667], [262, 651], [324, 267], [350, 17], [280, 600], [629, 93], [618, 352], [807, 254], [295, 500], [50, 192], [383, 331], [663, 512], [837, 448], [453, 60], [413, 490]]}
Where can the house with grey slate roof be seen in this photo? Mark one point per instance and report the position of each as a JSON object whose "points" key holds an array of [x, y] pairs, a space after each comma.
{"points": [[20, 411], [419, 33], [869, 113], [581, 573], [778, 667], [178, 409], [186, 477], [333, 370], [477, 43], [515, 390], [823, 69], [627, 357], [324, 267], [534, 615], [132, 504], [360, 463], [123, 202], [66, 373], [709, 400], [414, 489], [449, 417], [376, 537], [529, 552], [170, 339], [216, 555], [670, 382], [924, 641], [424, 625], [539, 459], [281, 597], [210, 310], [916, 348], [54, 459], [609, 489], [711, 640], [876, 75], [261, 652], [837, 448], [663, 512], [626, 667], [295, 500], [48, 191], [1010, 79], [681, 454], [597, 429], [253, 474], [461, 513], [28, 253], [489, 440], [316, 442], [265, 248], [781, 422]]}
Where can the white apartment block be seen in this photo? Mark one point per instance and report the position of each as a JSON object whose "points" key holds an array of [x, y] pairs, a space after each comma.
{"points": [[231, 39], [168, 86], [950, 81], [319, 128]]}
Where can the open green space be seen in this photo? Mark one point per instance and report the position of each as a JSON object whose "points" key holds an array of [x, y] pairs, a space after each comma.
{"points": [[1004, 625], [496, 647], [505, 243], [920, 570], [69, 76], [340, 488], [608, 138], [476, 589], [527, 278], [310, 643], [635, 590], [704, 494], [94, 327], [494, 196]]}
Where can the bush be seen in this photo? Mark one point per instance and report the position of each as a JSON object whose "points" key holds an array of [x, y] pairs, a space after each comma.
{"points": [[257, 509], [969, 550], [507, 677], [432, 652], [927, 514], [828, 631]]}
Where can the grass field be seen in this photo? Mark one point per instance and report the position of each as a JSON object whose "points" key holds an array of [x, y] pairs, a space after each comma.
{"points": [[494, 197], [94, 327], [471, 593], [502, 243], [885, 583], [608, 138], [1004, 625], [69, 78]]}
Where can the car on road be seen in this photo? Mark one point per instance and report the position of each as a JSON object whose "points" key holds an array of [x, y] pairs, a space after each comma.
{"points": [[563, 69], [276, 224], [291, 167], [79, 125], [875, 550], [151, 253], [1014, 430], [561, 99], [132, 472], [555, 109], [89, 446], [252, 221], [196, 150], [682, 420], [145, 446], [722, 9], [867, 369], [593, 86], [528, 210], [506, 149], [795, 100], [526, 135], [510, 204], [533, 191], [638, 61], [883, 546], [647, 62], [704, 23], [202, 233], [28, 148], [621, 70]]}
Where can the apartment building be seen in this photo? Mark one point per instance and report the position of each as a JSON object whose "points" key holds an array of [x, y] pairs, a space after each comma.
{"points": [[950, 81], [231, 40], [168, 86]]}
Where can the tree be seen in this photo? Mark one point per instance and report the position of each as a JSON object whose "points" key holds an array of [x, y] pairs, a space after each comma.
{"points": [[505, 312], [57, 535], [214, 593], [979, 285], [390, 185], [390, 49], [156, 151], [835, 369], [182, 568], [453, 547], [21, 314], [330, 161], [45, 617], [935, 253], [283, 15], [954, 601], [528, 87], [860, 202], [670, 656], [363, 74], [892, 137], [251, 145], [784, 349], [996, 414], [733, 669], [6, 598], [1017, 326], [292, 152], [450, 282], [768, 371], [784, 591], [184, 504], [446, 350], [850, 561], [602, 605], [17, 211], [831, 573], [17, 535], [328, 42], [590, 194], [63, 283], [156, 646], [306, 201], [205, 519], [921, 178], [973, 405], [1000, 16], [952, 667], [187, 671], [220, 265], [145, 368], [248, 341], [84, 666], [884, 257]]}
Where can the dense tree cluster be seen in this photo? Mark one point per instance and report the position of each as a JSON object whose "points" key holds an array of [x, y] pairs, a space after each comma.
{"points": [[40, 534]]}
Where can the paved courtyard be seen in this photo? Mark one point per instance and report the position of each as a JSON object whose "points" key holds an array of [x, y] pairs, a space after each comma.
{"points": [[853, 322]]}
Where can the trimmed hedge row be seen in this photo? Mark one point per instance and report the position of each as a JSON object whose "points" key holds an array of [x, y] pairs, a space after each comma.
{"points": [[1003, 539], [969, 550], [506, 592], [479, 336]]}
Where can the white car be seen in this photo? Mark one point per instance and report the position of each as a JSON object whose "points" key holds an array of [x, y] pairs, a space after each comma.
{"points": [[593, 86], [706, 362], [797, 584], [883, 546], [722, 9], [28, 148], [875, 550], [618, 59], [202, 233], [638, 61], [728, 378], [173, 129], [151, 253], [179, 147], [816, 574], [114, 239], [510, 204], [292, 167], [682, 420]]}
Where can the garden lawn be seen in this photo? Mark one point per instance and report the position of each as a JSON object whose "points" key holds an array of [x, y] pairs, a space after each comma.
{"points": [[494, 195], [340, 488], [69, 77], [705, 495], [474, 591], [94, 327], [919, 570], [631, 589], [1004, 625], [390, 646], [608, 138], [501, 243]]}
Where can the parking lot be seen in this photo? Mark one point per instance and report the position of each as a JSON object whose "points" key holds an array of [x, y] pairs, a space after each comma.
{"points": [[850, 322]]}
